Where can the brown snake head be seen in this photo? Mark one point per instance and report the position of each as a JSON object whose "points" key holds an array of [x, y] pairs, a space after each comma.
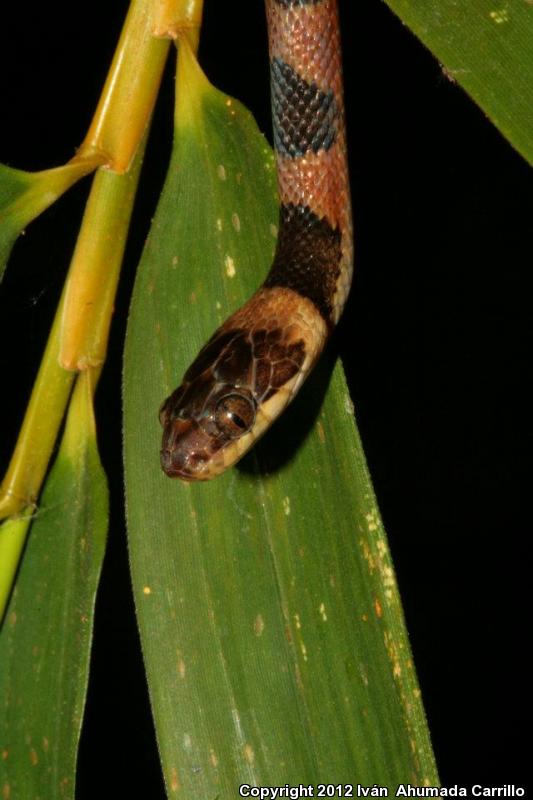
{"points": [[196, 435], [238, 384]]}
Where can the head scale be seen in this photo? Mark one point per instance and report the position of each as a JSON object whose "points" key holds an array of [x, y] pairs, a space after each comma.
{"points": [[216, 414]]}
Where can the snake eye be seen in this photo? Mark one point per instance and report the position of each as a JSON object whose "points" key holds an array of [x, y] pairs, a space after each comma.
{"points": [[234, 415]]}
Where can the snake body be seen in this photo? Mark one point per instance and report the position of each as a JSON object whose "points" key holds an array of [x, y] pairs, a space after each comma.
{"points": [[254, 364]]}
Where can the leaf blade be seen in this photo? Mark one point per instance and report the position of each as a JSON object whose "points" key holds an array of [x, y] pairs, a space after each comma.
{"points": [[257, 594], [486, 48], [24, 195], [45, 641]]}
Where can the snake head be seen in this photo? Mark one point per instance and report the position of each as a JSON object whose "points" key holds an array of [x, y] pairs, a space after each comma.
{"points": [[237, 385], [209, 419], [197, 435]]}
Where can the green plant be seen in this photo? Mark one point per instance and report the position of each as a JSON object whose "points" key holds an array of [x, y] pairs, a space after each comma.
{"points": [[157, 559]]}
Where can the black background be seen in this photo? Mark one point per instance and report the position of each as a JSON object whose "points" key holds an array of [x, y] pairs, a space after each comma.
{"points": [[433, 340]]}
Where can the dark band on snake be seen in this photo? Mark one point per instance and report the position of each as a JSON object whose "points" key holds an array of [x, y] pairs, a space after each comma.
{"points": [[307, 258], [303, 116]]}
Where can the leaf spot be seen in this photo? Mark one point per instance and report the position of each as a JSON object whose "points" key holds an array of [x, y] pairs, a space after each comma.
{"points": [[371, 519], [286, 506], [322, 612], [221, 172], [348, 405], [499, 16], [249, 753], [230, 266], [237, 724], [388, 576], [174, 782], [259, 625], [147, 590], [236, 222]]}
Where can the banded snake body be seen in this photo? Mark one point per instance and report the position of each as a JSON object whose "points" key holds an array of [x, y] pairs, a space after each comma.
{"points": [[254, 364]]}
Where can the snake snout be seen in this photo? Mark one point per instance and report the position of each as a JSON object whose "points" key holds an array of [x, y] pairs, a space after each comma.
{"points": [[184, 453]]}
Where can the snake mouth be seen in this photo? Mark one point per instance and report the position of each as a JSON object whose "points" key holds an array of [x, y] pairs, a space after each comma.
{"points": [[187, 452], [194, 468], [188, 466], [173, 469]]}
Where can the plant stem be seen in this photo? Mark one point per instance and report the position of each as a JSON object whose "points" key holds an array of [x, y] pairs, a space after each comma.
{"points": [[79, 427], [95, 268], [13, 534], [179, 18], [38, 433], [123, 111], [82, 329], [79, 334], [130, 90]]}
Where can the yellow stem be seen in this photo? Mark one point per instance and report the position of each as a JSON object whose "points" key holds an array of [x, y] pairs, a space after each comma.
{"points": [[22, 482], [12, 538], [173, 18], [95, 268], [130, 90], [80, 328], [79, 428], [79, 333]]}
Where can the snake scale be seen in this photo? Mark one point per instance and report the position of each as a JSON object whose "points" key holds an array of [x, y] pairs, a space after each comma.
{"points": [[254, 364]]}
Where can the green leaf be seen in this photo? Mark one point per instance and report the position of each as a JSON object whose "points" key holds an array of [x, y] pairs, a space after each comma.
{"points": [[46, 637], [271, 626], [24, 195], [486, 47]]}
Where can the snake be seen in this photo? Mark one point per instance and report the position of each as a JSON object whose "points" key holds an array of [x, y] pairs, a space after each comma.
{"points": [[256, 361]]}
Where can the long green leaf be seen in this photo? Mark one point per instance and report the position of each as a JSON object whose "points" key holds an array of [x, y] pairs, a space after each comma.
{"points": [[46, 637], [270, 621], [487, 48]]}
